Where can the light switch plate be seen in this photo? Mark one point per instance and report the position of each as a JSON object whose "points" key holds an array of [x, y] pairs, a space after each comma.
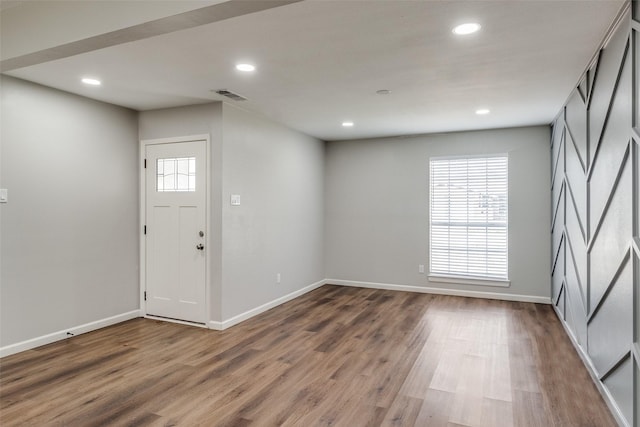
{"points": [[235, 200], [4, 195]]}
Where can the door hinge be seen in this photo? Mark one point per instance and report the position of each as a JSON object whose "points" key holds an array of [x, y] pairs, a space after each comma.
{"points": [[145, 229], [145, 295], [145, 163]]}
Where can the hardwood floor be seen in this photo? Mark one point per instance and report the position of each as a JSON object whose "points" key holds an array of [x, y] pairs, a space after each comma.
{"points": [[336, 356]]}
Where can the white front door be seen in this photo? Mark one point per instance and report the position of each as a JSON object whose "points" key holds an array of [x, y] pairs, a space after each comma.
{"points": [[175, 230]]}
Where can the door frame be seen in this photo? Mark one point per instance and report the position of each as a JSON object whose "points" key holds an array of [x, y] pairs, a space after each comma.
{"points": [[142, 220]]}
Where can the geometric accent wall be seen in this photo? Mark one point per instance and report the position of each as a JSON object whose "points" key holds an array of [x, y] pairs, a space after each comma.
{"points": [[596, 208]]}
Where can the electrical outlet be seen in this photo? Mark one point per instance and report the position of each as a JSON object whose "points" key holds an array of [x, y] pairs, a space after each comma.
{"points": [[278, 278], [421, 268]]}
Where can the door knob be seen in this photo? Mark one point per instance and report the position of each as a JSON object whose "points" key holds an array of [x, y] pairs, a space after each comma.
{"points": [[200, 246]]}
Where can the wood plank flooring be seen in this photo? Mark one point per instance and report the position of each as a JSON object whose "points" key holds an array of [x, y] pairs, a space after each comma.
{"points": [[337, 356]]}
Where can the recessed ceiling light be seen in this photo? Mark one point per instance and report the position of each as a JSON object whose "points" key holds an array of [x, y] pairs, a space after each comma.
{"points": [[468, 28], [347, 124], [91, 81], [245, 67], [482, 111]]}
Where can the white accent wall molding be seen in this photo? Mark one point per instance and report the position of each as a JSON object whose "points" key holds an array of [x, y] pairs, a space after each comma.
{"points": [[67, 333], [595, 185]]}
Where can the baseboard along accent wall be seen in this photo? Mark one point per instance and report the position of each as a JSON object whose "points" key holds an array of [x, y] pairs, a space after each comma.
{"points": [[595, 183], [608, 398]]}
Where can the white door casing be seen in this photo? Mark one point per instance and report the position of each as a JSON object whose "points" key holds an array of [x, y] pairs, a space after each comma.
{"points": [[176, 235]]}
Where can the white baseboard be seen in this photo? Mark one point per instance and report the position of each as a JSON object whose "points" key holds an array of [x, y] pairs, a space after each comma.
{"points": [[219, 326], [586, 360], [216, 325], [441, 291], [67, 333], [179, 322]]}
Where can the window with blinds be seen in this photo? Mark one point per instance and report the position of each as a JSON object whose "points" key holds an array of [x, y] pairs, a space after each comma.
{"points": [[469, 217]]}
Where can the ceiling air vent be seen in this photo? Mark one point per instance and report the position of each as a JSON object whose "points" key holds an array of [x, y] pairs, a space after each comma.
{"points": [[230, 95]]}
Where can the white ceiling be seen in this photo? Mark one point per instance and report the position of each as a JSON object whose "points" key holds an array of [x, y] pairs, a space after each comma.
{"points": [[319, 62]]}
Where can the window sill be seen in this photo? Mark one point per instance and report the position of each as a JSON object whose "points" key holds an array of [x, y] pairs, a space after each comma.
{"points": [[461, 280]]}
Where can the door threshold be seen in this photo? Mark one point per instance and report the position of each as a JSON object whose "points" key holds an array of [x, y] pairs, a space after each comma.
{"points": [[171, 320]]}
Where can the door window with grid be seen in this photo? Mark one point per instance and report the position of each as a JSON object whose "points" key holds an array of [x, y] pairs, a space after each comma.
{"points": [[469, 218]]}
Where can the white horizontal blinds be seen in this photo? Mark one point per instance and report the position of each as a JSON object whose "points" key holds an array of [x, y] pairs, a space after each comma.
{"points": [[469, 217]]}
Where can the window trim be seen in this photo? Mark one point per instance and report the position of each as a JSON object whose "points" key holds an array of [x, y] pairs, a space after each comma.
{"points": [[468, 280], [462, 279]]}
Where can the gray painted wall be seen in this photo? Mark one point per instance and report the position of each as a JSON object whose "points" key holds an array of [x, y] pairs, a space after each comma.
{"points": [[192, 120], [279, 226], [69, 234], [377, 207], [596, 270]]}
